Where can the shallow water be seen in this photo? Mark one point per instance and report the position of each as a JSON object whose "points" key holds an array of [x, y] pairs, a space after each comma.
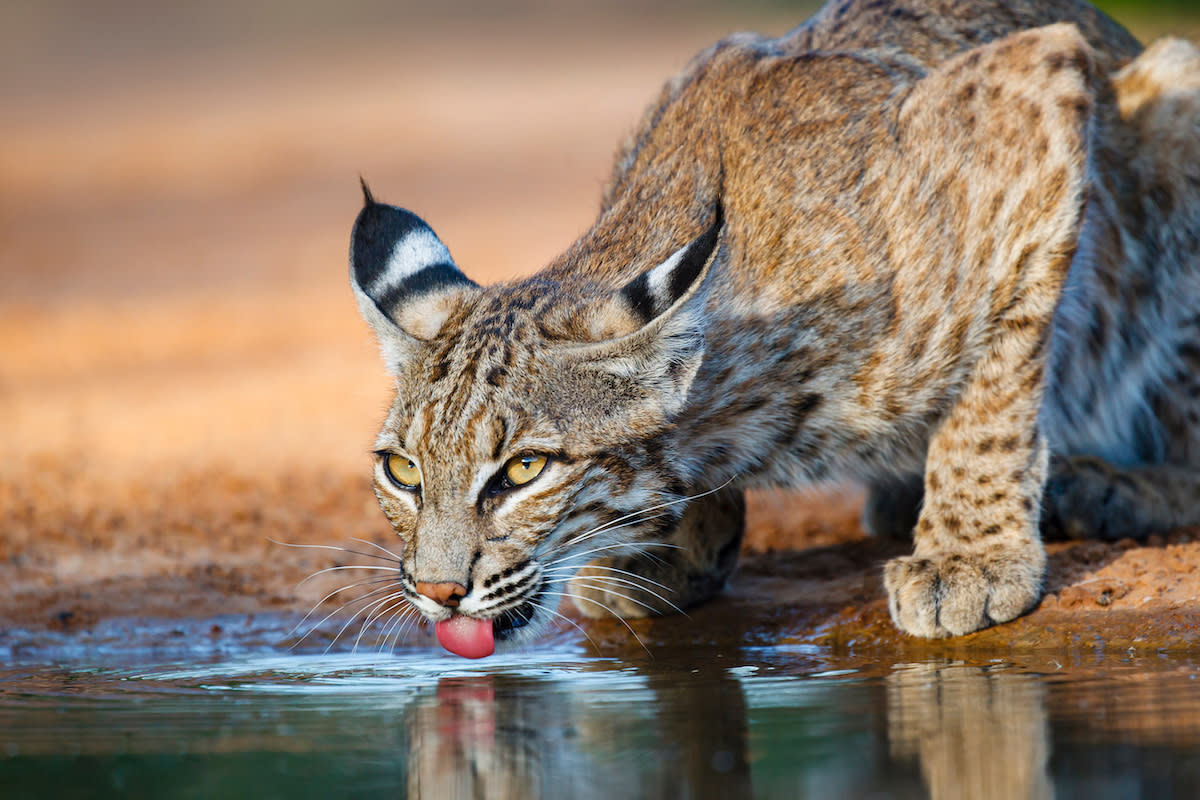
{"points": [[557, 721]]}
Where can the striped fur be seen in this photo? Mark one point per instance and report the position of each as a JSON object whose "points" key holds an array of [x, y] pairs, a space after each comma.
{"points": [[913, 242]]}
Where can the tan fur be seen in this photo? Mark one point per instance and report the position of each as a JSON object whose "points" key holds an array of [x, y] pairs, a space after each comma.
{"points": [[954, 238]]}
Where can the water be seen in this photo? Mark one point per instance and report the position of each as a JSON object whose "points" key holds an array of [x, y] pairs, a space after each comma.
{"points": [[557, 721]]}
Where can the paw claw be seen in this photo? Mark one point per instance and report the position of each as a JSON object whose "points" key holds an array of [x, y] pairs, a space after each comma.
{"points": [[956, 593]]}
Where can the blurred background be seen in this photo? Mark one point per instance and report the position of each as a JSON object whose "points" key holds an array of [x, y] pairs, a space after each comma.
{"points": [[182, 369]]}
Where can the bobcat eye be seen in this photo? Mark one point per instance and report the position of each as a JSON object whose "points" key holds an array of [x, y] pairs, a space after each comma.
{"points": [[523, 469], [402, 471]]}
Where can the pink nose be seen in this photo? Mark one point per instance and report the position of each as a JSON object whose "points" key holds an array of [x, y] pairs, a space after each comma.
{"points": [[446, 594]]}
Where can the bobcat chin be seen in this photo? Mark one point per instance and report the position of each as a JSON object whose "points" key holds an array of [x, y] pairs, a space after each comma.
{"points": [[949, 249]]}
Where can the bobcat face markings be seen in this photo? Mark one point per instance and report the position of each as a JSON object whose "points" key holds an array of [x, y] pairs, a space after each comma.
{"points": [[513, 533], [497, 465], [514, 555]]}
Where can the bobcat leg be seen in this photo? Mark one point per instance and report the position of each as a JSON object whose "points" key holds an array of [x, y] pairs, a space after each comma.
{"points": [[710, 535], [1089, 498], [978, 558], [1084, 498]]}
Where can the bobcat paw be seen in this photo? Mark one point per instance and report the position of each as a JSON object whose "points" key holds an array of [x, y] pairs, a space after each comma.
{"points": [[949, 594], [602, 604]]}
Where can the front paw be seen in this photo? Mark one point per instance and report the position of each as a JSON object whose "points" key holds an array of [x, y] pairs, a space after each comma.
{"points": [[949, 594]]}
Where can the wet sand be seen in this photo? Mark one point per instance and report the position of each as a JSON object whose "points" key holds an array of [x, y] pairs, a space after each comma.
{"points": [[184, 378]]}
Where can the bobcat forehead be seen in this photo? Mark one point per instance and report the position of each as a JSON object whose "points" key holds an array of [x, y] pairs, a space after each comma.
{"points": [[949, 254]]}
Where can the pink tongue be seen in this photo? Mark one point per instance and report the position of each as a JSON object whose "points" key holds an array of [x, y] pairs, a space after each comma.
{"points": [[466, 636]]}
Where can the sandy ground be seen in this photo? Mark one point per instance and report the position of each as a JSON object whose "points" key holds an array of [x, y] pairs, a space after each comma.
{"points": [[184, 378]]}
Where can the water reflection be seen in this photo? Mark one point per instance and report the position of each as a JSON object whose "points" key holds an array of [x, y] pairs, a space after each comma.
{"points": [[977, 733], [938, 729], [499, 737], [590, 728]]}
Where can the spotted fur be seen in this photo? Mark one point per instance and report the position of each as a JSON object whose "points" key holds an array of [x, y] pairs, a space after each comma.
{"points": [[909, 238]]}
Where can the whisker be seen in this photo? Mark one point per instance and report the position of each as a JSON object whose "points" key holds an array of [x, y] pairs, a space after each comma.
{"points": [[576, 576], [385, 599], [343, 607], [326, 547], [633, 514], [607, 579], [401, 619], [322, 601], [642, 553], [564, 617], [344, 567], [610, 569], [621, 619], [612, 525], [326, 618], [398, 614], [380, 547], [405, 628], [377, 613], [614, 547], [623, 596], [608, 530]]}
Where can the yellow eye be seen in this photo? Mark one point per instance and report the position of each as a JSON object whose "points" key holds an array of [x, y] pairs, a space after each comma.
{"points": [[523, 469], [402, 471]]}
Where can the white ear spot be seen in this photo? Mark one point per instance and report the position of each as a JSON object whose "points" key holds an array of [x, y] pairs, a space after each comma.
{"points": [[659, 279], [652, 293], [403, 277], [418, 250]]}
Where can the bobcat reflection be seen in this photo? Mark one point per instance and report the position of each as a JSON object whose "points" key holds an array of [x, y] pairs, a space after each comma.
{"points": [[491, 737], [973, 733], [977, 733]]}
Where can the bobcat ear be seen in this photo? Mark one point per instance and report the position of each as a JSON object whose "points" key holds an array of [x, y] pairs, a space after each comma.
{"points": [[643, 303], [655, 291], [651, 330], [403, 276]]}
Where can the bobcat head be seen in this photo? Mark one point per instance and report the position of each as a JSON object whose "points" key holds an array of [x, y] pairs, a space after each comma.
{"points": [[526, 437]]}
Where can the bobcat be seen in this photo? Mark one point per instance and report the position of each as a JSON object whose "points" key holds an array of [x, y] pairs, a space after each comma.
{"points": [[950, 248]]}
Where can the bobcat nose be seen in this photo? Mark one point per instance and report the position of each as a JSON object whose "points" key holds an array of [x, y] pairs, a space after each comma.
{"points": [[446, 594]]}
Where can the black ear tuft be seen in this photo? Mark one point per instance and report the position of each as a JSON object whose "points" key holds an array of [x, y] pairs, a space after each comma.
{"points": [[368, 198], [395, 257], [654, 291]]}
